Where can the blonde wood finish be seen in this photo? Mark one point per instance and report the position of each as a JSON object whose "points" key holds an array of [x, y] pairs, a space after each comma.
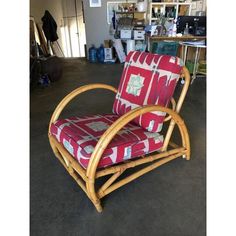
{"points": [[186, 76], [182, 38], [74, 94], [118, 125], [137, 174], [173, 103], [88, 177], [68, 166], [134, 163], [70, 160]]}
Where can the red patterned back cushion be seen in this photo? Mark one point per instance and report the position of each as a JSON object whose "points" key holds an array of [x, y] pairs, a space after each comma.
{"points": [[147, 79]]}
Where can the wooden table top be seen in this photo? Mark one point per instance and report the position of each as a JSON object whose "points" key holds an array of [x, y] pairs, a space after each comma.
{"points": [[184, 37]]}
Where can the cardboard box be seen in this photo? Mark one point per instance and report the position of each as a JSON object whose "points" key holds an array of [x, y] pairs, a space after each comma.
{"points": [[125, 34], [107, 43], [112, 61], [139, 34], [119, 50], [108, 55]]}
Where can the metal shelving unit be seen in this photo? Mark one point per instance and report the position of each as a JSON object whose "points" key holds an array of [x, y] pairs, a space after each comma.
{"points": [[162, 8]]}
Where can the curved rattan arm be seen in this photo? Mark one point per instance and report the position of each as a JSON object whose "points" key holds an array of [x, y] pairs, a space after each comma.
{"points": [[176, 107], [75, 93], [114, 129], [173, 103], [185, 74]]}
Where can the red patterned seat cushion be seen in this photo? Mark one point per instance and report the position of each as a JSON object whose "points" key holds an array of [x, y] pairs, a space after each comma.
{"points": [[79, 135], [147, 79]]}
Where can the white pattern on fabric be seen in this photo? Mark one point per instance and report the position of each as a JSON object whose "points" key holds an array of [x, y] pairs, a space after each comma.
{"points": [[79, 127], [113, 156], [68, 146], [60, 129], [158, 139], [98, 126], [127, 153], [172, 60], [84, 139], [135, 84], [130, 143], [150, 126], [146, 146], [89, 149]]}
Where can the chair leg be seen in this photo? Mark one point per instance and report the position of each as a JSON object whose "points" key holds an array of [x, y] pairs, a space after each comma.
{"points": [[58, 155], [98, 206], [186, 157], [54, 149]]}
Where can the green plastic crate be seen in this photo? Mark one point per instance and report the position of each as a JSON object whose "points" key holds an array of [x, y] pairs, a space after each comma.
{"points": [[165, 48], [190, 66]]}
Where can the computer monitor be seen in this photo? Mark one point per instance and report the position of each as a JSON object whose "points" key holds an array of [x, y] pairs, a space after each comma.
{"points": [[196, 24]]}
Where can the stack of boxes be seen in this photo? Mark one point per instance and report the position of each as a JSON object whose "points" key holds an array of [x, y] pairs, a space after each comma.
{"points": [[136, 33], [126, 34], [108, 52], [139, 35]]}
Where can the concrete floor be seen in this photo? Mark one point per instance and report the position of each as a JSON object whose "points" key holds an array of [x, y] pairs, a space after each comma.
{"points": [[169, 201]]}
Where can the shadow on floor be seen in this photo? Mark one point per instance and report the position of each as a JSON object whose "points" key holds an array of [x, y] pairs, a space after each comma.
{"points": [[169, 201]]}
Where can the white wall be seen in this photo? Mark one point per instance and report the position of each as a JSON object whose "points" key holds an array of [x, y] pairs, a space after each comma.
{"points": [[96, 26]]}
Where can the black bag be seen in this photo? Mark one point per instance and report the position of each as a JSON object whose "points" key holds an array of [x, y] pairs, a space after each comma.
{"points": [[45, 66], [52, 66], [49, 27]]}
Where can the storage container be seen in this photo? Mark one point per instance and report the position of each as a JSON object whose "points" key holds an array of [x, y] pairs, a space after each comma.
{"points": [[165, 48], [108, 53], [125, 34], [140, 46], [100, 54], [139, 34], [92, 54], [190, 65]]}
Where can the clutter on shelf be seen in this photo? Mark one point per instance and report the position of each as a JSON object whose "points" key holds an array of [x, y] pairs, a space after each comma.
{"points": [[136, 26]]}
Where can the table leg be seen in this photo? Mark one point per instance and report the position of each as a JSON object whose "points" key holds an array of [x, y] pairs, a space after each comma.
{"points": [[185, 53], [198, 59], [184, 57], [195, 64]]}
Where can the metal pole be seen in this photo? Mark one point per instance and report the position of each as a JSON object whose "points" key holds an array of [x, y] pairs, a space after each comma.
{"points": [[195, 65]]}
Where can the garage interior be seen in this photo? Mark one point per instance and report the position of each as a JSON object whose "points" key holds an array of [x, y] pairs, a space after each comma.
{"points": [[170, 200]]}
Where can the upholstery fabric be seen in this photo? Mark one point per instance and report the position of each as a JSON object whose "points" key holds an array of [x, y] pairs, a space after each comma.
{"points": [[79, 135], [147, 79]]}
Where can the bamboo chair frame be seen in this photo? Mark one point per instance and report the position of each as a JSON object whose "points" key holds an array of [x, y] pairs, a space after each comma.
{"points": [[86, 179]]}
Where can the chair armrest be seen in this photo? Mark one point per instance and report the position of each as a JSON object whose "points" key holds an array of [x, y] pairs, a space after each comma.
{"points": [[75, 93], [177, 106], [173, 104], [118, 125]]}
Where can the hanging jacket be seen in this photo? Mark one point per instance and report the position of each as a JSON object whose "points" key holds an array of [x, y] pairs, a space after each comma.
{"points": [[49, 27]]}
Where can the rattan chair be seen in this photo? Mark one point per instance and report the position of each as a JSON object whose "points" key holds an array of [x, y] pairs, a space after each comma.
{"points": [[92, 147]]}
